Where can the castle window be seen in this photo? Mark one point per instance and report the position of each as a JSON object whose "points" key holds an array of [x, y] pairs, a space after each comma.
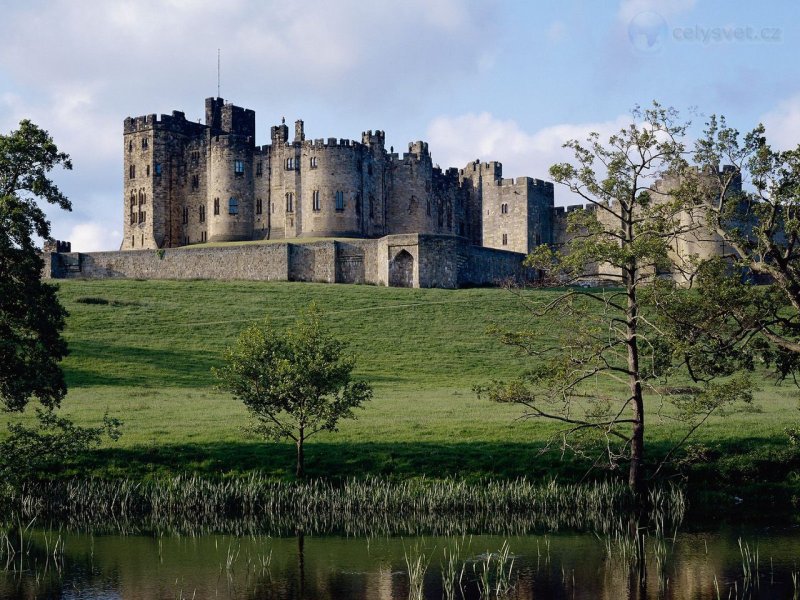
{"points": [[504, 208], [142, 242], [339, 201], [133, 242], [132, 172], [185, 215], [130, 149], [505, 239], [315, 204], [195, 182], [133, 209], [259, 169], [358, 204], [216, 206], [203, 237], [147, 170], [258, 206], [144, 143], [202, 213], [371, 206], [158, 169], [194, 156], [290, 164], [142, 217], [238, 168], [313, 162], [428, 208], [289, 202], [233, 206]]}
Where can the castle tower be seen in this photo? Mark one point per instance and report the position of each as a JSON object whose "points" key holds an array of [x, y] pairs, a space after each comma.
{"points": [[230, 198]]}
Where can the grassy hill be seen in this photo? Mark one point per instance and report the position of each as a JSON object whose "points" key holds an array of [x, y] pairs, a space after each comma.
{"points": [[143, 351]]}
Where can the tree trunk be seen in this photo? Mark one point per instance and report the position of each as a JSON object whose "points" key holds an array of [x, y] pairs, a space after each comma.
{"points": [[635, 475], [300, 473]]}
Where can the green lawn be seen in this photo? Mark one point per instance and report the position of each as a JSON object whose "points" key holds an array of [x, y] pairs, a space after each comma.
{"points": [[146, 355]]}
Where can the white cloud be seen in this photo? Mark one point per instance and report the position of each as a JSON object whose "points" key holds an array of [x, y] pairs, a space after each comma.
{"points": [[91, 237], [455, 141], [783, 124]]}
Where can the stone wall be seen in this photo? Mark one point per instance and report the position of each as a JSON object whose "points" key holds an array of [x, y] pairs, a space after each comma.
{"points": [[410, 260], [268, 262], [488, 266]]}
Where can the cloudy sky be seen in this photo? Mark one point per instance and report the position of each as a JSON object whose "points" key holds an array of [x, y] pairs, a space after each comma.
{"points": [[491, 79]]}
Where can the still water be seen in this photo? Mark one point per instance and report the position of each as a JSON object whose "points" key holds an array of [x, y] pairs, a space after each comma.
{"points": [[729, 563]]}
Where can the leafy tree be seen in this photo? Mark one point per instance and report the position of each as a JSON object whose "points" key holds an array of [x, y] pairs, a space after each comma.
{"points": [[626, 237], [294, 383], [31, 318], [761, 227]]}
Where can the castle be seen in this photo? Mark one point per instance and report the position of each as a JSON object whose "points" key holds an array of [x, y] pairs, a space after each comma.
{"points": [[385, 218], [187, 183]]}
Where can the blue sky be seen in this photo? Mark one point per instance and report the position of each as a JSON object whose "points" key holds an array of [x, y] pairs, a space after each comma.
{"points": [[489, 79]]}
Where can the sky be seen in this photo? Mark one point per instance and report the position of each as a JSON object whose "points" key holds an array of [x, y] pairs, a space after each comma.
{"points": [[478, 79]]}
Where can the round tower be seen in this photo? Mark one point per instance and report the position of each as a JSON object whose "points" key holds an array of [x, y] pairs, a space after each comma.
{"points": [[230, 189], [332, 188]]}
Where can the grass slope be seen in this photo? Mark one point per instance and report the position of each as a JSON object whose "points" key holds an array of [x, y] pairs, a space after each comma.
{"points": [[146, 355]]}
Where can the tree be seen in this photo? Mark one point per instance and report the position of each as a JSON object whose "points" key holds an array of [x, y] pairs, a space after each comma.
{"points": [[761, 227], [294, 383], [626, 237], [31, 318]]}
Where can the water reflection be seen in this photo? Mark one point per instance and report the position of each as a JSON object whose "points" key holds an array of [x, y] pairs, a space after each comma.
{"points": [[563, 565]]}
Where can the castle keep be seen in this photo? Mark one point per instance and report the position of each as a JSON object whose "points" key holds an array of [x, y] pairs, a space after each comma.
{"points": [[187, 183]]}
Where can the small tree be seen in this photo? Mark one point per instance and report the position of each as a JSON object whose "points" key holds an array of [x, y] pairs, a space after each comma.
{"points": [[610, 352], [294, 383]]}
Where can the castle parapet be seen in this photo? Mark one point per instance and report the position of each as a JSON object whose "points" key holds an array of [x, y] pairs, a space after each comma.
{"points": [[176, 122], [56, 246], [368, 138]]}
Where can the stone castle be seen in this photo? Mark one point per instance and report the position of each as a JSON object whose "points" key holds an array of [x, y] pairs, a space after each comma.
{"points": [[188, 183], [389, 219]]}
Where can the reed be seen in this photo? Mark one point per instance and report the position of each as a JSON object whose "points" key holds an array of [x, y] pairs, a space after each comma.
{"points": [[355, 507], [416, 566]]}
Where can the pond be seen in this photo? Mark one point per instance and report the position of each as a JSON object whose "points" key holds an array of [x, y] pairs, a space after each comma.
{"points": [[725, 563]]}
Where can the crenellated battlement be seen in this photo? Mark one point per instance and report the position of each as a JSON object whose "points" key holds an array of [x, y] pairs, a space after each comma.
{"points": [[418, 148], [368, 138], [562, 211], [56, 246], [176, 122]]}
